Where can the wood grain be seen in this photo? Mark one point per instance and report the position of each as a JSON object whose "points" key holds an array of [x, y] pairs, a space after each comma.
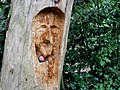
{"points": [[21, 69], [48, 28]]}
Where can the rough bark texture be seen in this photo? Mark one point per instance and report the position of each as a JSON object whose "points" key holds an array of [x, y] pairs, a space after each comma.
{"points": [[37, 28]]}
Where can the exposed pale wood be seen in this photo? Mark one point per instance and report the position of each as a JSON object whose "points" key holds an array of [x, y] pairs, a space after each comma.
{"points": [[21, 69], [48, 28]]}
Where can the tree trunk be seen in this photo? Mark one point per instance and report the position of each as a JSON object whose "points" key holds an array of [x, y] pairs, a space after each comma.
{"points": [[35, 44]]}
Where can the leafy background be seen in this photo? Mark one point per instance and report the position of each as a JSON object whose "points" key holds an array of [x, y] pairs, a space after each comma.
{"points": [[92, 60]]}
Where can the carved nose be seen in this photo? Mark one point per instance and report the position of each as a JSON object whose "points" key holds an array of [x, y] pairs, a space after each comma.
{"points": [[50, 36]]}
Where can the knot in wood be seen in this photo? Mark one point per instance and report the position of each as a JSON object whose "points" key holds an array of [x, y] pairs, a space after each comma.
{"points": [[56, 1]]}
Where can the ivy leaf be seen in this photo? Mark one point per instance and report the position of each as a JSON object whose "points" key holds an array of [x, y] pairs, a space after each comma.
{"points": [[101, 86], [102, 63], [106, 59]]}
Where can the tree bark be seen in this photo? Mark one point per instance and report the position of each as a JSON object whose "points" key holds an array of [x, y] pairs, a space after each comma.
{"points": [[35, 44]]}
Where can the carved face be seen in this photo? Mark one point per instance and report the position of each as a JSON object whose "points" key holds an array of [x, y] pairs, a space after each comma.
{"points": [[47, 34]]}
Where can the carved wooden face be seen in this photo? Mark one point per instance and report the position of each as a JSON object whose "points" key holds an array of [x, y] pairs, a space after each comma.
{"points": [[47, 34]]}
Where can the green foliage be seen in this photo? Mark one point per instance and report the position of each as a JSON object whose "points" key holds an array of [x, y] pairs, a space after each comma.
{"points": [[4, 10], [93, 42]]}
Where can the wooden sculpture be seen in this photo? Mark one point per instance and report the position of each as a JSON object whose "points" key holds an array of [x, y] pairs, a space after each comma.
{"points": [[48, 28]]}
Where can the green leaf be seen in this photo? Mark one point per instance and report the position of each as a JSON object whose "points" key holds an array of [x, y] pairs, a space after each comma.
{"points": [[111, 81], [106, 76], [101, 87], [102, 63], [106, 59]]}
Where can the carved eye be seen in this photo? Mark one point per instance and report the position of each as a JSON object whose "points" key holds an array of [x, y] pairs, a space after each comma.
{"points": [[55, 29], [43, 26]]}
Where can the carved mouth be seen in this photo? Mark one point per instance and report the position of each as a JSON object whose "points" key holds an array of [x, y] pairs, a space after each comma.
{"points": [[42, 54], [41, 58]]}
